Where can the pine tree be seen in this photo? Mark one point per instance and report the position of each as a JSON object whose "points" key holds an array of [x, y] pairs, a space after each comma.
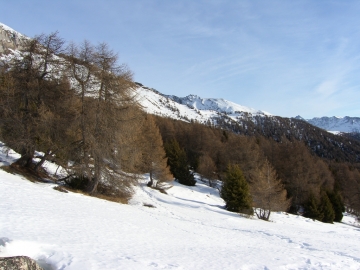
{"points": [[327, 208], [235, 191], [178, 163], [312, 209], [337, 203]]}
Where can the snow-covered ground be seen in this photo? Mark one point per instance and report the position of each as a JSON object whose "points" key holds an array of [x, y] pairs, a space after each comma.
{"points": [[186, 229]]}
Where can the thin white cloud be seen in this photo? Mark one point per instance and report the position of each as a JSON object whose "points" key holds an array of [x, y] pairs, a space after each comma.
{"points": [[327, 88]]}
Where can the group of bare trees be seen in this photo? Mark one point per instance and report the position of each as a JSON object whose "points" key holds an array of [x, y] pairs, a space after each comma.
{"points": [[26, 79], [106, 109], [76, 104]]}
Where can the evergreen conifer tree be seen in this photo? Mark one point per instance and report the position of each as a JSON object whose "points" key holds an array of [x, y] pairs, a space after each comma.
{"points": [[337, 203], [312, 209], [327, 209], [235, 191], [178, 163]]}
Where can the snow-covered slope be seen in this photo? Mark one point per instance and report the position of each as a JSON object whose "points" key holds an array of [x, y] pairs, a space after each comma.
{"points": [[9, 38], [186, 229], [192, 107]]}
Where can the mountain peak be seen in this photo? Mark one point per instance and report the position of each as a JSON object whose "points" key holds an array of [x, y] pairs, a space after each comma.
{"points": [[192, 97], [299, 117]]}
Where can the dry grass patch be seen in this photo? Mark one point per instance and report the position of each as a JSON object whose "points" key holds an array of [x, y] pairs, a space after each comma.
{"points": [[28, 173], [111, 198], [42, 176]]}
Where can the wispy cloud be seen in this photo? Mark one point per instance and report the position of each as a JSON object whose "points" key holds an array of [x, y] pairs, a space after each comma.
{"points": [[327, 88]]}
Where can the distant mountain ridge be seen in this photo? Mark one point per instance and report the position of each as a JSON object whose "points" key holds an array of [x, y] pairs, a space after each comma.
{"points": [[345, 124]]}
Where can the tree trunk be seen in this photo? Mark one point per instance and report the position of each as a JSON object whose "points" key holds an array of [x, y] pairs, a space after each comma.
{"points": [[151, 182], [43, 159], [97, 176], [93, 189], [25, 160]]}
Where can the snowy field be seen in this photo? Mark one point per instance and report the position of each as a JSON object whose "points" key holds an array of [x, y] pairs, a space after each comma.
{"points": [[186, 229]]}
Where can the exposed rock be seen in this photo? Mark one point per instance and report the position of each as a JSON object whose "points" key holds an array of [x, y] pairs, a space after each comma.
{"points": [[18, 263], [10, 39]]}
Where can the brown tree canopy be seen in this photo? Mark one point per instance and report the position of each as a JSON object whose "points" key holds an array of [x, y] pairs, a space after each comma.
{"points": [[154, 159], [267, 191]]}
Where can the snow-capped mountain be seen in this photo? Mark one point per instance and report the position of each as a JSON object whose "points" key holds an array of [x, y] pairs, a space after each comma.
{"points": [[335, 124], [192, 107], [215, 104]]}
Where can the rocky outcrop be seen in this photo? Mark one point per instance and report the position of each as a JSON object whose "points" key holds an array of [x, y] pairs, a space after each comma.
{"points": [[10, 39], [18, 263]]}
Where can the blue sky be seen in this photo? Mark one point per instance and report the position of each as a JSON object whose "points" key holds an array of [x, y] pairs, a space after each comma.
{"points": [[285, 57]]}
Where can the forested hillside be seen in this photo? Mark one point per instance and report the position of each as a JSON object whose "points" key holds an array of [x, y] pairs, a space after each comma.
{"points": [[209, 150], [321, 142]]}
